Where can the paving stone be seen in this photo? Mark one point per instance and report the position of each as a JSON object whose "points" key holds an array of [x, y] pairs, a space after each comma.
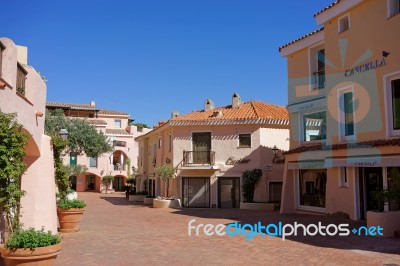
{"points": [[117, 232]]}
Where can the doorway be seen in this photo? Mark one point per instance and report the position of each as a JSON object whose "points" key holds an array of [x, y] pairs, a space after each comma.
{"points": [[196, 192], [118, 183], [228, 192], [370, 179], [201, 147]]}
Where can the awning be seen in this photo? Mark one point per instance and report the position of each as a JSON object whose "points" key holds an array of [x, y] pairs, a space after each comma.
{"points": [[363, 161], [317, 164]]}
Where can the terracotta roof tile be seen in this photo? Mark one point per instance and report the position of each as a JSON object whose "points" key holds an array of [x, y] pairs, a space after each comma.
{"points": [[363, 144], [111, 112], [78, 106], [328, 7], [117, 131], [71, 106], [248, 110], [301, 38], [96, 122]]}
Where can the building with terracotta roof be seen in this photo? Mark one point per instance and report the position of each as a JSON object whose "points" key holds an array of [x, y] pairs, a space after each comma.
{"points": [[23, 92], [116, 126], [343, 102], [211, 148]]}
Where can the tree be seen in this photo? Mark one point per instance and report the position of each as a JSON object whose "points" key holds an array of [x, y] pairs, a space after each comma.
{"points": [[82, 138], [165, 172], [12, 152], [106, 180]]}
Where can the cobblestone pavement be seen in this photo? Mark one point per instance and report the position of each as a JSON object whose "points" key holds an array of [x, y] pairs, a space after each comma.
{"points": [[117, 232]]}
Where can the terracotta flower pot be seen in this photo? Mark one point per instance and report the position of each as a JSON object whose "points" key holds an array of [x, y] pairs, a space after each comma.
{"points": [[43, 256], [69, 219]]}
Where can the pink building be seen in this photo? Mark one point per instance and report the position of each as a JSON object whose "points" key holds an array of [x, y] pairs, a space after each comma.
{"points": [[23, 91], [211, 148], [119, 163]]}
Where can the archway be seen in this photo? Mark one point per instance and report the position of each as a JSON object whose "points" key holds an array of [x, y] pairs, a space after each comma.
{"points": [[118, 160]]}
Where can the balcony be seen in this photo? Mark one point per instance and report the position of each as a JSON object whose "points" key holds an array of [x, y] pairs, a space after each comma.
{"points": [[198, 158], [319, 79]]}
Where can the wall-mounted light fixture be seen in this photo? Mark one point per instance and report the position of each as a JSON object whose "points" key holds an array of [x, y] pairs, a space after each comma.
{"points": [[63, 133], [276, 158]]}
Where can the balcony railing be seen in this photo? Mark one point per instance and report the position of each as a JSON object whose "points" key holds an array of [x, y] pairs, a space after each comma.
{"points": [[118, 167], [198, 157], [319, 79], [119, 143]]}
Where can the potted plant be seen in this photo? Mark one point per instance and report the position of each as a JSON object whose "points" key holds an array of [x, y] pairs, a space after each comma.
{"points": [[80, 137], [130, 186], [106, 181], [70, 213], [166, 172], [19, 243], [31, 246], [389, 218]]}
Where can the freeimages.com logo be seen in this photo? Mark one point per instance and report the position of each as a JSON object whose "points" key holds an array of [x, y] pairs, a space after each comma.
{"points": [[279, 229]]}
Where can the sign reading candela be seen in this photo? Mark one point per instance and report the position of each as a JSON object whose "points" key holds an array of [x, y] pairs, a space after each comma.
{"points": [[367, 66]]}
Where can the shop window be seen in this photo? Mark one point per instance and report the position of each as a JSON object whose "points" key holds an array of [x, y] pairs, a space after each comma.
{"points": [[312, 187], [393, 181], [395, 89]]}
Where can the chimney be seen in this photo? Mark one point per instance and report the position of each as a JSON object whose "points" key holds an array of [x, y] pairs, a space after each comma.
{"points": [[22, 54], [236, 100], [92, 103], [174, 114], [209, 105]]}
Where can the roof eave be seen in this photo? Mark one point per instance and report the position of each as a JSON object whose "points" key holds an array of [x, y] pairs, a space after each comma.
{"points": [[335, 10], [302, 44]]}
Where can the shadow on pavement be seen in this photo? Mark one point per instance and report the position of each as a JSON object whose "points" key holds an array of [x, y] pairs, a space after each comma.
{"points": [[352, 241]]}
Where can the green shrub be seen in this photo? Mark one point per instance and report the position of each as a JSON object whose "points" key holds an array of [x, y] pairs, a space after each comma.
{"points": [[31, 239], [250, 179], [71, 204]]}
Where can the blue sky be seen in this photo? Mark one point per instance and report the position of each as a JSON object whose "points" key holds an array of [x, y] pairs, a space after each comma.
{"points": [[152, 57]]}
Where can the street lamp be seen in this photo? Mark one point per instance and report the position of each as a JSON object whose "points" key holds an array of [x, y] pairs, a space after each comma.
{"points": [[63, 133]]}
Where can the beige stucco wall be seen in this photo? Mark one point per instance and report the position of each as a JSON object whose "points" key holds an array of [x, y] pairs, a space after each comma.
{"points": [[38, 205]]}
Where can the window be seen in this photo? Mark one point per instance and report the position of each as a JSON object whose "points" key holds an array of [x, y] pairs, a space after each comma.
{"points": [[117, 123], [244, 140], [317, 67], [90, 181], [159, 143], [395, 89], [346, 114], [92, 162], [343, 181], [170, 143], [344, 23], [21, 76], [275, 191], [1, 56], [72, 159], [393, 7], [314, 126], [312, 187]]}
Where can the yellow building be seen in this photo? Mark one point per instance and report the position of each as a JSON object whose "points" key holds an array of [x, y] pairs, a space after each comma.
{"points": [[344, 105]]}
